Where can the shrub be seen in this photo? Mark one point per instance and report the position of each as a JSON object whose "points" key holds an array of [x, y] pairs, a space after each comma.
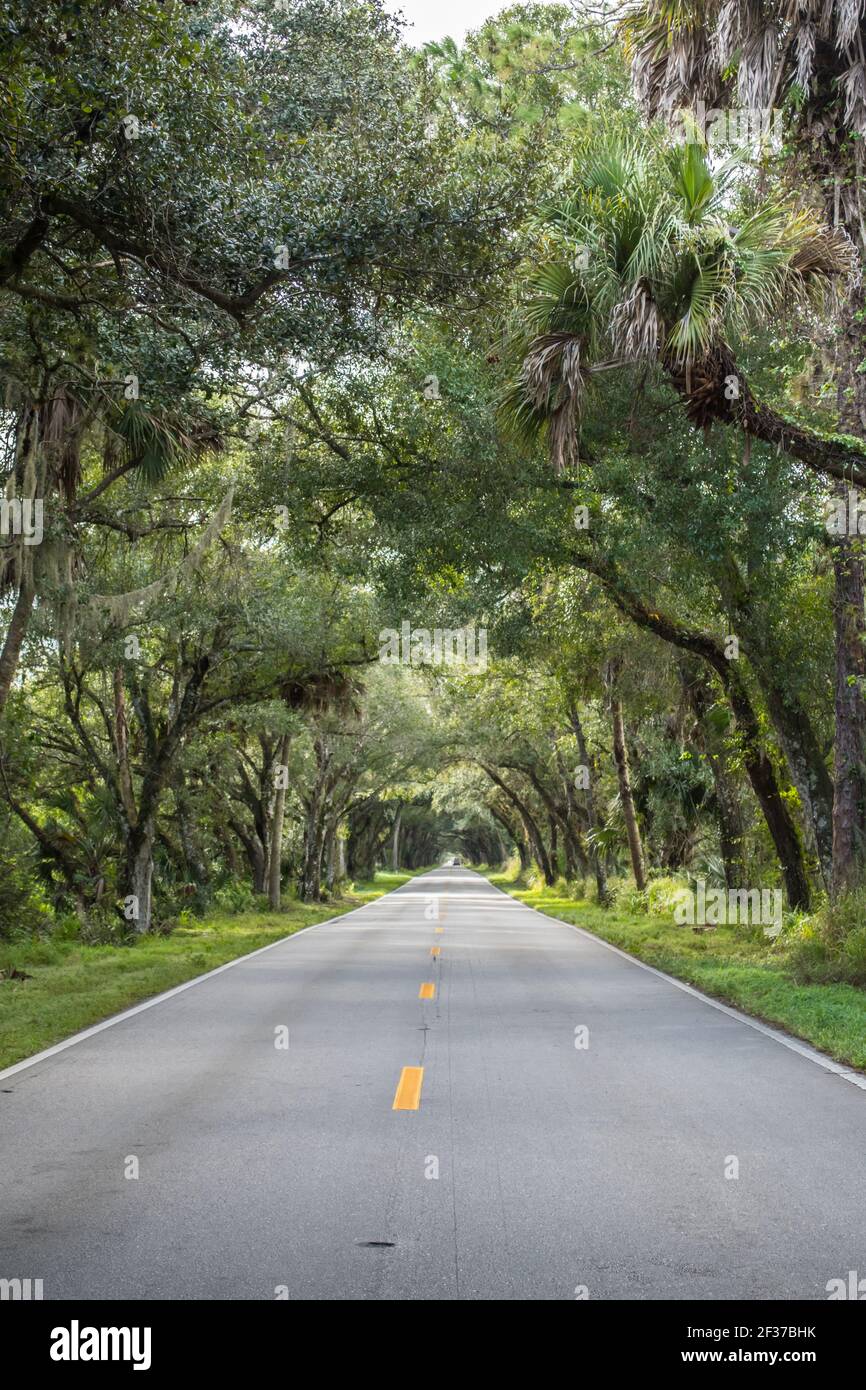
{"points": [[838, 919], [664, 895], [831, 946], [235, 897], [854, 956], [633, 900], [22, 907], [811, 961], [104, 928]]}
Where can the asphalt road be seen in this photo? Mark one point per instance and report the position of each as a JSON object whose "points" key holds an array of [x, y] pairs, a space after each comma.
{"points": [[561, 1167]]}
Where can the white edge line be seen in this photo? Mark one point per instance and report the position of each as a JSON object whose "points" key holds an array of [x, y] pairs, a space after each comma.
{"points": [[793, 1044], [169, 994], [811, 1054]]}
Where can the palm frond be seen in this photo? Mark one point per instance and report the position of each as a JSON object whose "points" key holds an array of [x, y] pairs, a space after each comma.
{"points": [[157, 442], [636, 326], [693, 333]]}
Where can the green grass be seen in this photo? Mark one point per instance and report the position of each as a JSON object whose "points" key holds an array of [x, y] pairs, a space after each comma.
{"points": [[73, 985], [735, 964]]}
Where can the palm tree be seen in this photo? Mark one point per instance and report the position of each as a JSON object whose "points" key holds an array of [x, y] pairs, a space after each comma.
{"points": [[643, 263], [810, 57], [646, 262], [808, 54]]}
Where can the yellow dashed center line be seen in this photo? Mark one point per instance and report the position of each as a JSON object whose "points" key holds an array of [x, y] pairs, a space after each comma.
{"points": [[408, 1095], [427, 991]]}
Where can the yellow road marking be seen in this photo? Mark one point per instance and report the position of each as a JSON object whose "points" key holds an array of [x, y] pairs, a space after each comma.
{"points": [[427, 991], [408, 1095], [434, 950], [438, 931]]}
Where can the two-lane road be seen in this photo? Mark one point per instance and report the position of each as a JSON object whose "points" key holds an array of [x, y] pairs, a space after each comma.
{"points": [[579, 1124]]}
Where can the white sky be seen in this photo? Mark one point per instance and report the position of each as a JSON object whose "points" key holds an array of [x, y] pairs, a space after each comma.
{"points": [[433, 19]]}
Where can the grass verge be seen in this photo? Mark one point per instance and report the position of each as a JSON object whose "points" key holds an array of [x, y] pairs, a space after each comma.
{"points": [[735, 964], [73, 985]]}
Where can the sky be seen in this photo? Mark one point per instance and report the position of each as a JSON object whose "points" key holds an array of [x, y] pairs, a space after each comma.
{"points": [[433, 19]]}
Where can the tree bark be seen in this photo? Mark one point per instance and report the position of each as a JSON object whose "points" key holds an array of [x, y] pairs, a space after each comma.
{"points": [[623, 773], [330, 856], [516, 836], [314, 830], [729, 813], [808, 768], [22, 569], [275, 852], [530, 825], [758, 765], [790, 718], [139, 876], [194, 861], [15, 634], [593, 814], [833, 457], [849, 806]]}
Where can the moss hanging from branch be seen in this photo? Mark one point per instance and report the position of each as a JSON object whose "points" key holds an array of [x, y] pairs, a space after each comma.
{"points": [[118, 608]]}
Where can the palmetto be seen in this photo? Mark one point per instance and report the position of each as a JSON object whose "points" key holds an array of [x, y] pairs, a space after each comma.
{"points": [[752, 50], [643, 257]]}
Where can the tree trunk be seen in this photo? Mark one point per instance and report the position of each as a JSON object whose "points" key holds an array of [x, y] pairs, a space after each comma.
{"points": [[314, 843], [593, 814], [533, 834], [792, 724], [779, 822], [311, 881], [758, 765], [275, 852], [849, 809], [620, 755], [194, 861], [849, 805], [139, 876], [228, 848], [255, 855], [514, 835], [330, 857], [15, 634], [28, 444], [553, 840], [395, 841], [569, 851], [729, 812], [808, 771]]}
